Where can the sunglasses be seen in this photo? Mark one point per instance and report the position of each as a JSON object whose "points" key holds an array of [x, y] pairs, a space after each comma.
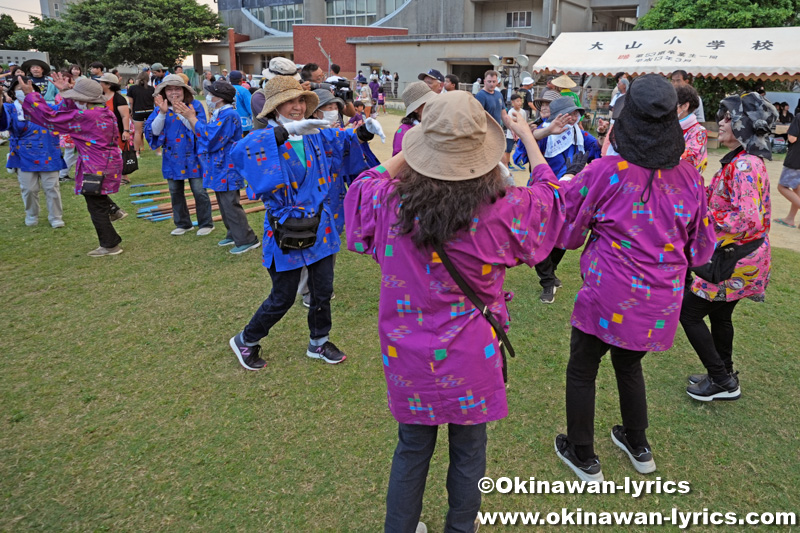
{"points": [[724, 116]]}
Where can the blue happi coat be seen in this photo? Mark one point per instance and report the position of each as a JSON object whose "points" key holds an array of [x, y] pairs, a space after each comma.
{"points": [[179, 160], [216, 140], [289, 188], [32, 148], [348, 158], [559, 163]]}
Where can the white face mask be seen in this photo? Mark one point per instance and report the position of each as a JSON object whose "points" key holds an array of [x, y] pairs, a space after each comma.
{"points": [[19, 95], [81, 105], [210, 101], [284, 120], [331, 116]]}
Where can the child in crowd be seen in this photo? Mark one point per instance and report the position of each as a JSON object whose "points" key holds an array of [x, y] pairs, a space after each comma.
{"points": [[521, 116], [358, 118], [381, 101]]}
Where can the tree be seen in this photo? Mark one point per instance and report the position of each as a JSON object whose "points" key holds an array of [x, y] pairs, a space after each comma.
{"points": [[120, 31], [669, 14], [12, 37]]}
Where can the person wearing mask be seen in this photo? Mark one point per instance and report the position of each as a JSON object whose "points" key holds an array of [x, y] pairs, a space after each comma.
{"points": [[286, 167], [94, 128], [740, 209], [679, 78], [694, 134], [433, 79], [415, 96], [640, 244], [119, 106], [140, 98], [34, 154], [444, 194], [215, 141], [243, 99], [180, 161]]}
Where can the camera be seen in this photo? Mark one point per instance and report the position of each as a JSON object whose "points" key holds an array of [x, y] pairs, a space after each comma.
{"points": [[340, 89]]}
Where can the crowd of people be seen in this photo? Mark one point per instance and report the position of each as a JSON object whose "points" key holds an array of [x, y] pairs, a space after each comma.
{"points": [[444, 221]]}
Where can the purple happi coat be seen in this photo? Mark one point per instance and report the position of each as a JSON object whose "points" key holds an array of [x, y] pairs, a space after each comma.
{"points": [[94, 132], [440, 355], [634, 265]]}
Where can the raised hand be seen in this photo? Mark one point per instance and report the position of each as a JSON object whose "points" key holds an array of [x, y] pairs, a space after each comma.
{"points": [[61, 82], [161, 104], [184, 110]]}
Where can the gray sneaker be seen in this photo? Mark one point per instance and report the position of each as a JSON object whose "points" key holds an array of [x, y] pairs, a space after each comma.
{"points": [[102, 252], [119, 214]]}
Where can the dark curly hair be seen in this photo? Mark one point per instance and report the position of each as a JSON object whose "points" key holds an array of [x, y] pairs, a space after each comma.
{"points": [[686, 93], [433, 211]]}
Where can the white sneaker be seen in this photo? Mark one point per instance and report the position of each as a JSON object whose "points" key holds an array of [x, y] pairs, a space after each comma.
{"points": [[180, 231], [57, 224], [205, 231]]}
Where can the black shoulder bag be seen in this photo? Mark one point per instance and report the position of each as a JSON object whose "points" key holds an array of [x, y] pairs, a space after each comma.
{"points": [[484, 309], [295, 233], [722, 264]]}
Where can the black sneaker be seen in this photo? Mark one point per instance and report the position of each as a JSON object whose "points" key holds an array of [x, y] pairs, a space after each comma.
{"points": [[694, 379], [328, 352], [558, 283], [248, 356], [548, 295], [586, 470], [119, 214], [709, 390], [641, 457]]}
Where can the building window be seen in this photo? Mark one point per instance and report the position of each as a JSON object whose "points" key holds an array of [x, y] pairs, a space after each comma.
{"points": [[518, 19], [391, 5], [351, 12], [282, 18]]}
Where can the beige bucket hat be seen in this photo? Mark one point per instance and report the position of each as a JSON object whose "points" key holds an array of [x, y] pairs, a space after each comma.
{"points": [[416, 94], [173, 80], [456, 140], [86, 91]]}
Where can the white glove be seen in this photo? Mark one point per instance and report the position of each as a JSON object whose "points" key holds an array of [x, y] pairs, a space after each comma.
{"points": [[308, 126], [373, 126]]}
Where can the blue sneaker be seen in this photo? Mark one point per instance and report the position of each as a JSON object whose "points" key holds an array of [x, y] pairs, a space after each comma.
{"points": [[236, 250], [225, 242]]}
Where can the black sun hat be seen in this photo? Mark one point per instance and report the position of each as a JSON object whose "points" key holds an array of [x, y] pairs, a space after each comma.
{"points": [[647, 132]]}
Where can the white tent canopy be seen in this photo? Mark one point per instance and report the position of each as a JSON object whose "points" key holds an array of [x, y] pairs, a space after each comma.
{"points": [[749, 53]]}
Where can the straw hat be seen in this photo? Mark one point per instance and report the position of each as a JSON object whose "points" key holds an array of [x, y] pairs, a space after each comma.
{"points": [[564, 81], [184, 77], [416, 94], [172, 80], [85, 90], [281, 89], [456, 140]]}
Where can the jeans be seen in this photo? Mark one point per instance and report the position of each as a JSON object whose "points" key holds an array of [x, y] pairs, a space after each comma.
{"points": [[100, 210], [410, 470], [282, 297], [29, 183], [584, 360], [180, 211], [715, 347], [547, 268], [234, 218]]}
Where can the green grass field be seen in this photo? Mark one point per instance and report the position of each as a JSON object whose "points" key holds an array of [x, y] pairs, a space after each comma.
{"points": [[122, 408]]}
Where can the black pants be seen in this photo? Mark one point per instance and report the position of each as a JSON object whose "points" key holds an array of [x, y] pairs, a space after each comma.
{"points": [[283, 294], [180, 210], [715, 347], [584, 360], [547, 268], [99, 207], [410, 464], [234, 218]]}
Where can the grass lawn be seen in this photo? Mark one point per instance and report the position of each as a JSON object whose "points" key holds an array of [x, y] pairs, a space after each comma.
{"points": [[122, 408]]}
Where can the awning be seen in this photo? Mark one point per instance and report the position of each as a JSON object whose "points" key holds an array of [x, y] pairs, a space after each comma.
{"points": [[748, 53]]}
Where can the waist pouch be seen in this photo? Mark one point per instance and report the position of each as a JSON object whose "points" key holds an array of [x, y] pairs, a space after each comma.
{"points": [[92, 184], [295, 233]]}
